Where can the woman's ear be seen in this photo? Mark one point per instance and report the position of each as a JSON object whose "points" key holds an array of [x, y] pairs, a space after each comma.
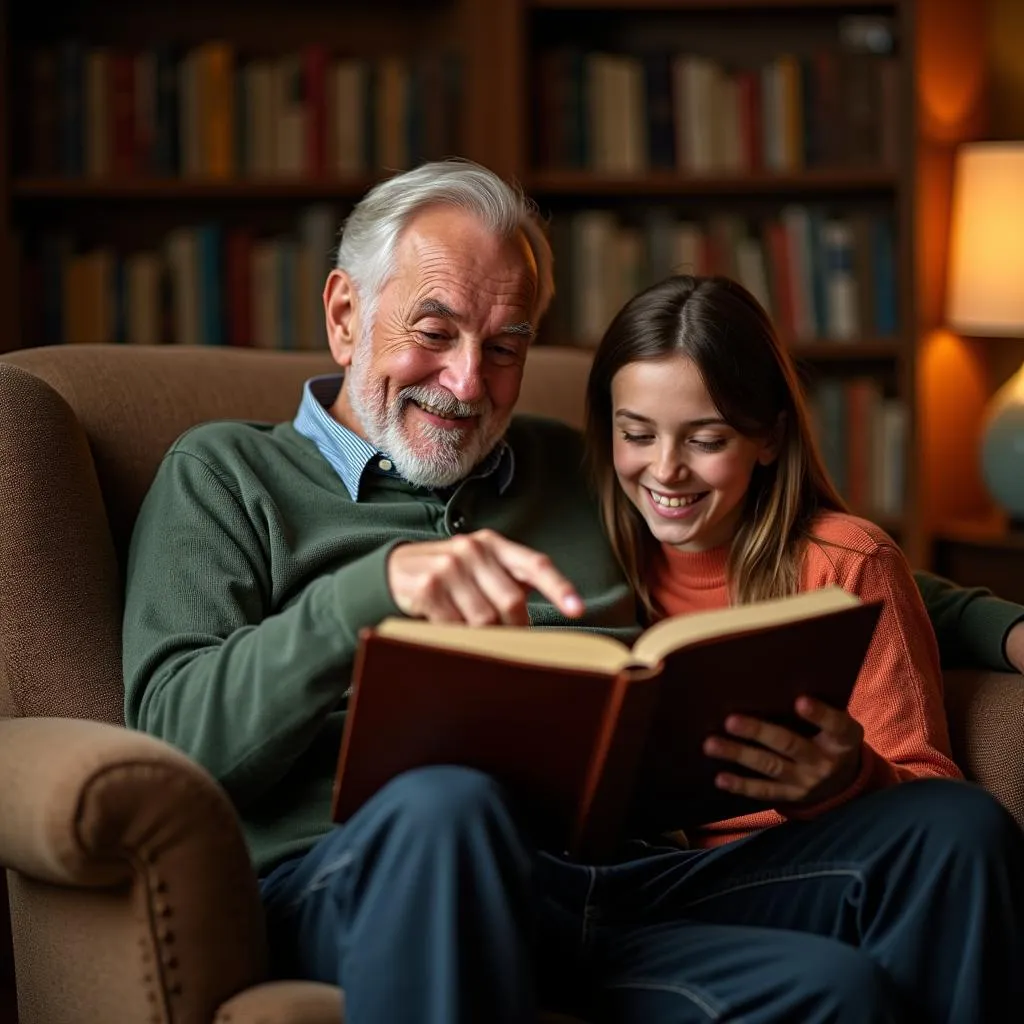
{"points": [[773, 442]]}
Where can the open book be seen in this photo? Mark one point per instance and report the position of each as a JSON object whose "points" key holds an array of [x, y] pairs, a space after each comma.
{"points": [[594, 741]]}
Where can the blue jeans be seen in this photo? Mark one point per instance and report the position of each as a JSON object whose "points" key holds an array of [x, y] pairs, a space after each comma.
{"points": [[430, 906]]}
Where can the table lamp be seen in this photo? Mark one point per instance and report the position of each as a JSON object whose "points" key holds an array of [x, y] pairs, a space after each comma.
{"points": [[986, 296]]}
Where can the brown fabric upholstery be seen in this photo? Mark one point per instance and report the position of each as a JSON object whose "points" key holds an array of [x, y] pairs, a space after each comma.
{"points": [[82, 431], [284, 1002], [59, 593], [133, 899], [132, 403], [125, 850], [986, 726], [304, 1002]]}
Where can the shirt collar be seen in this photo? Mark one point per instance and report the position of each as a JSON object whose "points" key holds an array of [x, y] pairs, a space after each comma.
{"points": [[352, 457]]}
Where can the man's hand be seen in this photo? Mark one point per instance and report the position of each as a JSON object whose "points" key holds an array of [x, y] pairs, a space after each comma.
{"points": [[795, 769], [480, 578], [1015, 646]]}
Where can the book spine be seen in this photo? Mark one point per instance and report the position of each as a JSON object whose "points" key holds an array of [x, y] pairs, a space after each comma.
{"points": [[615, 765]]}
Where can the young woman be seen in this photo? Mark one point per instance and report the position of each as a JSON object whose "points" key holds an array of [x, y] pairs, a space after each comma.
{"points": [[713, 492]]}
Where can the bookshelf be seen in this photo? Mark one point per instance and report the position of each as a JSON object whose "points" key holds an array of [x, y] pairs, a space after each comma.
{"points": [[754, 183], [122, 204], [51, 188], [148, 140], [771, 141]]}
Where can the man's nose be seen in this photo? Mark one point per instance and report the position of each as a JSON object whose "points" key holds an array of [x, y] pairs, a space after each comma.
{"points": [[463, 373]]}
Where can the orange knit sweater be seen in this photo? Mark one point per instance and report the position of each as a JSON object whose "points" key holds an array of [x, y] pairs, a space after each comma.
{"points": [[898, 695]]}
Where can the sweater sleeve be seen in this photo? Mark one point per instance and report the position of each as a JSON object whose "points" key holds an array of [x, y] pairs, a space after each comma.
{"points": [[971, 625], [898, 696], [210, 665]]}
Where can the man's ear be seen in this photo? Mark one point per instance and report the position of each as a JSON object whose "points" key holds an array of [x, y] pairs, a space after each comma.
{"points": [[773, 442], [341, 310]]}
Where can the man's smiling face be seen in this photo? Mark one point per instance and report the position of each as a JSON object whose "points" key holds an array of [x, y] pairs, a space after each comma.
{"points": [[435, 378]]}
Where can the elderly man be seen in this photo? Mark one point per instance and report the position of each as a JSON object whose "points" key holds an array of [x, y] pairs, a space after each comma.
{"points": [[405, 486]]}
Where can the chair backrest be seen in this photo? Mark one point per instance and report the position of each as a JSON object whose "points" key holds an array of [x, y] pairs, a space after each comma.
{"points": [[82, 431]]}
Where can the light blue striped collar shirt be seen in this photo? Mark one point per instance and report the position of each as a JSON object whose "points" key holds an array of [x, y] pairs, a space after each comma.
{"points": [[351, 457]]}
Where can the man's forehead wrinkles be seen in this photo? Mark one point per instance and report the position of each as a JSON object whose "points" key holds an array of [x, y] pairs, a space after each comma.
{"points": [[470, 281], [446, 259], [480, 288], [459, 262], [462, 296]]}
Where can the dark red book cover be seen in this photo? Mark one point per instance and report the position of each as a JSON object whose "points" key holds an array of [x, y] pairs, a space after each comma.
{"points": [[589, 755], [124, 162], [314, 59]]}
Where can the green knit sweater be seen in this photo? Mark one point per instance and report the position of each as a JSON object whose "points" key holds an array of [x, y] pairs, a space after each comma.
{"points": [[252, 572]]}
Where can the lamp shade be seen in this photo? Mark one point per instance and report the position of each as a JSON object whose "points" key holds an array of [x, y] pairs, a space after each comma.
{"points": [[986, 268]]}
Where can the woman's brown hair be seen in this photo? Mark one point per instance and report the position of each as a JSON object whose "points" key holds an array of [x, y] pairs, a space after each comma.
{"points": [[724, 331]]}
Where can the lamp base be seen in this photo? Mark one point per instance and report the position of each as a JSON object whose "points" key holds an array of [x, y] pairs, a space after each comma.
{"points": [[1002, 448]]}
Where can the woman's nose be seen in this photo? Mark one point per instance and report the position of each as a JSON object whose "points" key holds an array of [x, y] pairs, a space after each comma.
{"points": [[670, 467]]}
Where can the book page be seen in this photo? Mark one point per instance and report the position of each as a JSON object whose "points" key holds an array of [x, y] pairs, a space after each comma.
{"points": [[680, 630], [558, 648]]}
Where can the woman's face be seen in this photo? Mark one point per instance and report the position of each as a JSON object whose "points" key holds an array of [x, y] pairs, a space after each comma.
{"points": [[677, 460]]}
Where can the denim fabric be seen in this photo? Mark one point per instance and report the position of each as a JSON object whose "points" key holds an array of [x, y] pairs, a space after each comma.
{"points": [[430, 905]]}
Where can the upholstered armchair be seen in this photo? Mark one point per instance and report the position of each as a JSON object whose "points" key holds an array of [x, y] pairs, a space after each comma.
{"points": [[132, 896]]}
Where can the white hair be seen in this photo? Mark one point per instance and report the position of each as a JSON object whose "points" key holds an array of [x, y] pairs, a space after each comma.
{"points": [[371, 231]]}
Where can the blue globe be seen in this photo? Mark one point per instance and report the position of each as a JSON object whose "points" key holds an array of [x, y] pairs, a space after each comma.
{"points": [[1002, 447]]}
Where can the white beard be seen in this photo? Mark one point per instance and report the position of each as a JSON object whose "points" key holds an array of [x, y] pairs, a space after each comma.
{"points": [[434, 456]]}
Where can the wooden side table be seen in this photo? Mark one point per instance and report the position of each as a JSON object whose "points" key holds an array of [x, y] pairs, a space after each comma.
{"points": [[982, 554]]}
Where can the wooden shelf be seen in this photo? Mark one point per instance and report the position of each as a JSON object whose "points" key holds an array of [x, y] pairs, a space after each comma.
{"points": [[712, 5], [840, 351], [666, 183], [541, 183], [992, 532], [982, 553], [836, 351], [174, 189]]}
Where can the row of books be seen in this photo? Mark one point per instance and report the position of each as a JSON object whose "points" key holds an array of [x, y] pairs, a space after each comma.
{"points": [[207, 112], [205, 287], [821, 275], [862, 434], [627, 114], [204, 284]]}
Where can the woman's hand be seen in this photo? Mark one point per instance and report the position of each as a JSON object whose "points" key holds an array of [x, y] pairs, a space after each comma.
{"points": [[793, 770]]}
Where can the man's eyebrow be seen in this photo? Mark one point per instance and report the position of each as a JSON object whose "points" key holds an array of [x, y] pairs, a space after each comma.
{"points": [[434, 307], [524, 329], [706, 421]]}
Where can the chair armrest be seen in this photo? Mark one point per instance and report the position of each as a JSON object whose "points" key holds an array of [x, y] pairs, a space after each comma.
{"points": [[285, 1002], [986, 728], [89, 806], [307, 1002]]}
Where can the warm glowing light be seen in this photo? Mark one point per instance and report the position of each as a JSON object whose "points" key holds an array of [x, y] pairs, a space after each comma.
{"points": [[986, 268]]}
